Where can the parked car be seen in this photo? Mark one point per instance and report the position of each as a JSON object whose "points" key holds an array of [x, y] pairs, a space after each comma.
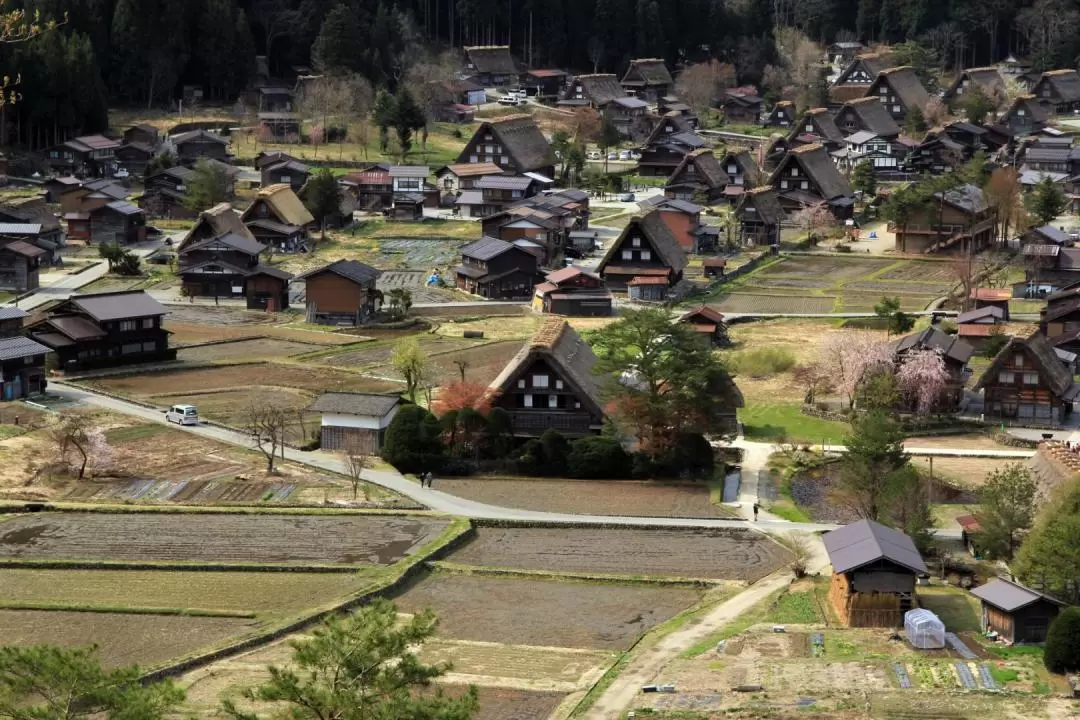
{"points": [[624, 155], [626, 197], [511, 101], [122, 173], [182, 415], [612, 156], [594, 155]]}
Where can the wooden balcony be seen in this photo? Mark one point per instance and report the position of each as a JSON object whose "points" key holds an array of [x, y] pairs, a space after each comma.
{"points": [[535, 422]]}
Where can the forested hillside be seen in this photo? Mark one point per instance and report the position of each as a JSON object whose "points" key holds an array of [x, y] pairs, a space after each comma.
{"points": [[143, 51]]}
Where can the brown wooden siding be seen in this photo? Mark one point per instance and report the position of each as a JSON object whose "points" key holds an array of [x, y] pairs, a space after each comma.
{"points": [[330, 293]]}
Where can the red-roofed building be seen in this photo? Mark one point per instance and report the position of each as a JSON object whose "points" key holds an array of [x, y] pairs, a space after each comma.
{"points": [[650, 288], [709, 322], [992, 297], [572, 291]]}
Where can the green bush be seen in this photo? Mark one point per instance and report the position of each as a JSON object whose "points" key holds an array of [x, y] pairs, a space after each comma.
{"points": [[598, 458], [1062, 651], [994, 344], [690, 456], [761, 362], [546, 456], [413, 441]]}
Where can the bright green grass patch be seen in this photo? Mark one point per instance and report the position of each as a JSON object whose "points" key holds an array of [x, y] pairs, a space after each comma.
{"points": [[789, 511], [959, 610], [797, 608], [1017, 651], [1003, 675], [776, 421]]}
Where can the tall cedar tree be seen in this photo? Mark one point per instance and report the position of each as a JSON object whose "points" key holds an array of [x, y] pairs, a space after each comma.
{"points": [[208, 187], [864, 180], [362, 665], [408, 117], [1006, 508], [337, 49], [1050, 555], [322, 197], [1047, 201], [383, 115], [51, 683], [869, 470], [662, 378]]}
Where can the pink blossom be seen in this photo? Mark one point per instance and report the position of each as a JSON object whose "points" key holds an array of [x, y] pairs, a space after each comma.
{"points": [[850, 356], [923, 379]]}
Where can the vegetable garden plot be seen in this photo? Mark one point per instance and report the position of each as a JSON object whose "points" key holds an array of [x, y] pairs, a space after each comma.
{"points": [[774, 304]]}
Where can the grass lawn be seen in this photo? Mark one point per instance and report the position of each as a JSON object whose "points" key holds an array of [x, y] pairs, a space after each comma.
{"points": [[776, 421], [958, 609], [430, 228]]}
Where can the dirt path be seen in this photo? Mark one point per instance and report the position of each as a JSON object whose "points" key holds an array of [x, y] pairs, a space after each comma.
{"points": [[644, 668]]}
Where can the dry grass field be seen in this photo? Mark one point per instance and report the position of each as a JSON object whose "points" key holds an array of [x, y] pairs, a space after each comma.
{"points": [[232, 377], [247, 350], [216, 538]]}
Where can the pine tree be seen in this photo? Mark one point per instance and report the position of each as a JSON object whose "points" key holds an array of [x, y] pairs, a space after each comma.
{"points": [[336, 48], [864, 180], [322, 197], [408, 116], [207, 187], [383, 115], [1047, 201]]}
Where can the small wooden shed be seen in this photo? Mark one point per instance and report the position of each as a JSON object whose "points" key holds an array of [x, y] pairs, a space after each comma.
{"points": [[874, 574], [1018, 614]]}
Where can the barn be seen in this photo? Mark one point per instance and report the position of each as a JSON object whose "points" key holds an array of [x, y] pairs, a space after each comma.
{"points": [[874, 573], [355, 421], [1016, 613]]}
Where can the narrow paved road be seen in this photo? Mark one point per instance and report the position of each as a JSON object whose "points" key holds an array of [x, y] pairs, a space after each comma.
{"points": [[433, 498]]}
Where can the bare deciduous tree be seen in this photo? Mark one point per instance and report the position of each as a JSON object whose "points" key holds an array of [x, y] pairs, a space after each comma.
{"points": [[799, 547], [462, 366], [701, 85], [77, 433], [356, 462], [267, 425]]}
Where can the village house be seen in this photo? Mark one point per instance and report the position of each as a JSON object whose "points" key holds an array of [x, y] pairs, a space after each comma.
{"points": [[118, 222], [699, 177], [491, 65], [550, 384], [1025, 116], [1058, 91], [875, 569], [841, 53], [592, 90], [142, 134], [20, 264], [229, 265], [165, 194], [865, 146], [991, 297], [1059, 320], [278, 218], [573, 291], [742, 108], [646, 248], [218, 220], [960, 219], [410, 187], [279, 126], [49, 236], [275, 99], [742, 171], [647, 79], [456, 178], [22, 360], [975, 326], [514, 143], [372, 188], [781, 116], [708, 322], [759, 214], [1028, 382], [1048, 157], [286, 171], [90, 195], [35, 234], [134, 158], [497, 270], [856, 77], [1049, 269], [683, 218], [341, 293], [492, 193], [104, 330], [1016, 613], [93, 155], [672, 103], [195, 144], [816, 126], [866, 115], [1045, 235], [937, 153], [544, 83], [671, 139], [546, 220], [989, 80], [899, 91], [955, 353], [355, 421], [806, 176]]}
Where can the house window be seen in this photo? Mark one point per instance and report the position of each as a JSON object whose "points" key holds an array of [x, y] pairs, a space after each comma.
{"points": [[148, 323], [577, 404], [1031, 378], [528, 400], [809, 127], [1006, 378], [540, 381], [285, 179], [896, 108], [558, 385], [794, 172], [127, 325], [783, 184], [883, 90], [521, 384], [646, 255], [553, 401], [1018, 360], [636, 242], [627, 254], [504, 160], [804, 185], [1020, 112], [474, 159]]}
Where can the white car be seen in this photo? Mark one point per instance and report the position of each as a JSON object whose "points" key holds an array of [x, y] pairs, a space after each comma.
{"points": [[624, 155], [182, 415], [594, 155], [512, 101]]}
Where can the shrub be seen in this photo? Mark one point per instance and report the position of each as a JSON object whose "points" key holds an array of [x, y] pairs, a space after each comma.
{"points": [[994, 344], [598, 458], [546, 456], [948, 327], [1062, 652], [690, 456], [761, 362], [413, 441]]}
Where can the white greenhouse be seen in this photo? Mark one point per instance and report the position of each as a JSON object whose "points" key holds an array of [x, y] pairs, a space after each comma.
{"points": [[924, 629]]}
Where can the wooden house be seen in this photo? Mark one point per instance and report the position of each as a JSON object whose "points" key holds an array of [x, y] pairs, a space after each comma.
{"points": [[1058, 91], [1026, 116], [286, 171], [1016, 613], [134, 157], [491, 65], [742, 108], [648, 79], [492, 193], [841, 53], [93, 155], [806, 176], [48, 236], [458, 177], [143, 134], [699, 177], [856, 77], [671, 140], [497, 270], [742, 171], [759, 214], [372, 188], [36, 235], [866, 115], [645, 248], [975, 326], [781, 116], [514, 143], [22, 367], [682, 217], [955, 353], [1059, 320], [988, 79], [355, 421], [991, 297], [672, 103], [341, 293], [91, 195], [816, 126], [105, 330], [278, 218], [1028, 382], [956, 221], [228, 265], [547, 220], [20, 264], [166, 195], [550, 384], [573, 291], [899, 90], [544, 83], [118, 222], [195, 144], [875, 569], [708, 322], [592, 90]]}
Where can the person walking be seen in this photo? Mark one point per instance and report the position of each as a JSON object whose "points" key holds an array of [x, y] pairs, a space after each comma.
{"points": [[430, 478], [756, 507]]}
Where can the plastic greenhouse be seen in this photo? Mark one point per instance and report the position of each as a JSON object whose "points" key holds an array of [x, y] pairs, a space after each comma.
{"points": [[924, 629]]}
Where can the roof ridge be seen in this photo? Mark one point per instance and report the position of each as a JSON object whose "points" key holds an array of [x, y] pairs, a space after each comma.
{"points": [[807, 148], [549, 333]]}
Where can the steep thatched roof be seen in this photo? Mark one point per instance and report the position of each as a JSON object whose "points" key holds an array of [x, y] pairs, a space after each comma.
{"points": [[905, 84], [659, 236], [647, 71], [871, 116], [1050, 368], [600, 89], [816, 164], [1066, 83], [706, 167], [766, 205], [522, 140], [492, 59]]}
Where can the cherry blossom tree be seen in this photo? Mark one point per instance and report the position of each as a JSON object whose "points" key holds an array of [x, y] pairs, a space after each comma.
{"points": [[923, 379], [816, 378], [816, 218], [849, 357], [99, 453]]}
